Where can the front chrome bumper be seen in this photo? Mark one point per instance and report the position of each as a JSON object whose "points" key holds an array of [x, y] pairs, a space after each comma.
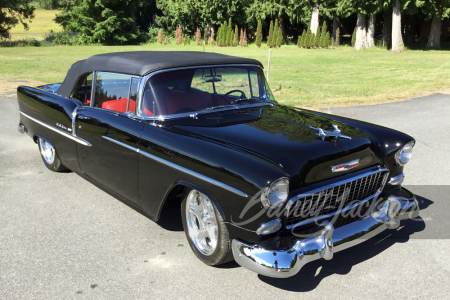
{"points": [[286, 263]]}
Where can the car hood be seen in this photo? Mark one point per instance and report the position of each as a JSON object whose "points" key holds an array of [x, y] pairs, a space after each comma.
{"points": [[283, 137]]}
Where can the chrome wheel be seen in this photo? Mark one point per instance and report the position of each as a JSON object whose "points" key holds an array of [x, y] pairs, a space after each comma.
{"points": [[202, 223], [47, 151]]}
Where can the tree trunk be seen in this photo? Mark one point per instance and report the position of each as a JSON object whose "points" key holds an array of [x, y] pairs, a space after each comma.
{"points": [[315, 18], [387, 28], [361, 31], [434, 39], [371, 31], [336, 24], [397, 40], [283, 28]]}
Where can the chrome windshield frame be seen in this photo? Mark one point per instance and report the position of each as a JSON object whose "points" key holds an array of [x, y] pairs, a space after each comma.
{"points": [[145, 79]]}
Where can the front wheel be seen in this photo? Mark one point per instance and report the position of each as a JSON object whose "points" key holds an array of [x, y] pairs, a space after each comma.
{"points": [[49, 156], [205, 229]]}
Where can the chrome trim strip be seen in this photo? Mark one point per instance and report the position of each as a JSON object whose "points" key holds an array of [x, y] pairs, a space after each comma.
{"points": [[74, 118], [395, 178], [195, 174], [180, 168], [121, 144], [260, 230], [57, 130]]}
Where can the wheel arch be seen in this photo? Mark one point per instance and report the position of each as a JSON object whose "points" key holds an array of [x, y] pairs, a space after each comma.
{"points": [[180, 186]]}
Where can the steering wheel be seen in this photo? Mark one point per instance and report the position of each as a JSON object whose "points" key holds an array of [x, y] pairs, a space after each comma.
{"points": [[230, 92]]}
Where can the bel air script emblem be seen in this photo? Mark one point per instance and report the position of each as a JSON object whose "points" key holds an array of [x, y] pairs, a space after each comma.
{"points": [[345, 167]]}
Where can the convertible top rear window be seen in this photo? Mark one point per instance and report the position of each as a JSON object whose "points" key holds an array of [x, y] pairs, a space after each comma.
{"points": [[196, 89]]}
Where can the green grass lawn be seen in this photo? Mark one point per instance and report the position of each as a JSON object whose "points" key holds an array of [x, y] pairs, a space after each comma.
{"points": [[308, 78]]}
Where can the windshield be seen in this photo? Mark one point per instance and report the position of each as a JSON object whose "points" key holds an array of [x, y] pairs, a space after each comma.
{"points": [[203, 89]]}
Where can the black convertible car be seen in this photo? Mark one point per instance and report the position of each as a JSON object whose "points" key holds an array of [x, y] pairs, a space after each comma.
{"points": [[270, 186]]}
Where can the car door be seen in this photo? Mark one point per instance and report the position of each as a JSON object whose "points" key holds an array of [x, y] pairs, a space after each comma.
{"points": [[111, 128]]}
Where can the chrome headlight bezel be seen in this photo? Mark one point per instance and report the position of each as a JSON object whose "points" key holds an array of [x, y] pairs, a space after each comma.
{"points": [[268, 197], [403, 156]]}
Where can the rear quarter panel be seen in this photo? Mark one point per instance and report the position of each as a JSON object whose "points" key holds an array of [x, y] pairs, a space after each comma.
{"points": [[51, 109]]}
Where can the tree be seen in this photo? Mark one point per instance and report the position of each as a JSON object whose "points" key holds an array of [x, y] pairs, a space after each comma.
{"points": [[397, 39], [270, 36], [354, 38], [102, 21], [259, 34], [436, 10], [160, 36], [13, 12], [326, 41], [198, 37], [315, 17], [337, 40], [279, 35], [323, 35], [179, 35], [236, 36]]}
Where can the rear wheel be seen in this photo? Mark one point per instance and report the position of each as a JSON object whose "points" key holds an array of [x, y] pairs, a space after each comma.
{"points": [[205, 229], [49, 156]]}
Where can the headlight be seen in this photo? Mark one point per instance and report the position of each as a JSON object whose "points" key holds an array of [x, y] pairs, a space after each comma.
{"points": [[276, 193], [404, 155]]}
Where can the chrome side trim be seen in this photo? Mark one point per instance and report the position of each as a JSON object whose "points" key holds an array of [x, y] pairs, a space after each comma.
{"points": [[180, 168], [57, 130], [74, 118], [121, 144], [195, 174], [295, 198]]}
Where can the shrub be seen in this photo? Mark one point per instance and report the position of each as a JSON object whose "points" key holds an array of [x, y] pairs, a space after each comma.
{"points": [[337, 41], [279, 35], [354, 38], [198, 37], [270, 37], [160, 36], [33, 42], [236, 35], [259, 34], [186, 40], [166, 40]]}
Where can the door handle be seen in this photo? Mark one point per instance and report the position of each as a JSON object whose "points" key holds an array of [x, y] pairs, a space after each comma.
{"points": [[83, 117]]}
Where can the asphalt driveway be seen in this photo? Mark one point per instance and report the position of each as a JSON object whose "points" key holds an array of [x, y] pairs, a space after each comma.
{"points": [[61, 237]]}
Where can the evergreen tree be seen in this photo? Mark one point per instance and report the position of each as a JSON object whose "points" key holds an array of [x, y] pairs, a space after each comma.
{"points": [[354, 38], [308, 37], [223, 34], [323, 34], [198, 37], [259, 34], [299, 41], [337, 41], [230, 35], [245, 38], [326, 41], [279, 36], [160, 36], [236, 36], [269, 38], [317, 39], [303, 38]]}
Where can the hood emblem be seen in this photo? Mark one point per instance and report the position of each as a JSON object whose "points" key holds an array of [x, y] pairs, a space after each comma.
{"points": [[336, 133], [345, 167]]}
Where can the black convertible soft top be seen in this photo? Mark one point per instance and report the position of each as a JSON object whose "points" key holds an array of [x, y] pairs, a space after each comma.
{"points": [[141, 63]]}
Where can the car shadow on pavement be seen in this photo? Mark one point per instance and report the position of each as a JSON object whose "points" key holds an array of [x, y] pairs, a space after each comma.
{"points": [[342, 262]]}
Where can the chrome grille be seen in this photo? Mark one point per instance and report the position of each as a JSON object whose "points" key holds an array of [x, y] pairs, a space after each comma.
{"points": [[335, 198]]}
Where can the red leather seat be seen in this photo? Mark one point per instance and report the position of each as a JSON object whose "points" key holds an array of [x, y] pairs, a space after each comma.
{"points": [[177, 100], [119, 105]]}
